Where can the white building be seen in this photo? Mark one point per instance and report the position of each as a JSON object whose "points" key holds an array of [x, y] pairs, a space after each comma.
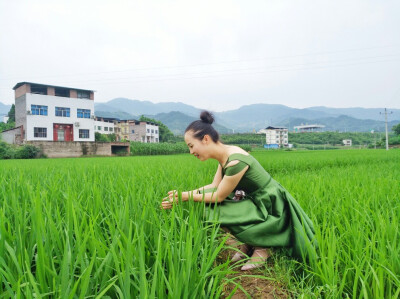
{"points": [[347, 142], [308, 128], [53, 113], [134, 130], [275, 136], [104, 125]]}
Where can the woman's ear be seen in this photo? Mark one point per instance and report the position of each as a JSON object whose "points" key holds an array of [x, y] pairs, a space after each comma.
{"points": [[206, 139]]}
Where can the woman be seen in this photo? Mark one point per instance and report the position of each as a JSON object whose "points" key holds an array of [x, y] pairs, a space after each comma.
{"points": [[244, 198]]}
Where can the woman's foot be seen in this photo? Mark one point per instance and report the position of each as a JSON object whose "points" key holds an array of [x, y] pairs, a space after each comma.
{"points": [[242, 253], [258, 258]]}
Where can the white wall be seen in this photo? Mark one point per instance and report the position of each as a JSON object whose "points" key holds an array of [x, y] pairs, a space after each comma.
{"points": [[43, 121], [103, 124], [277, 137], [153, 136]]}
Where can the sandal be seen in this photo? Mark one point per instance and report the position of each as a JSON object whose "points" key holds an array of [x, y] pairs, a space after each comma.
{"points": [[257, 260], [242, 253]]}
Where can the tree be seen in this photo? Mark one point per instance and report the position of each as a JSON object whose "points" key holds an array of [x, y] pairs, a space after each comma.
{"points": [[104, 137], [11, 114], [164, 133], [396, 129]]}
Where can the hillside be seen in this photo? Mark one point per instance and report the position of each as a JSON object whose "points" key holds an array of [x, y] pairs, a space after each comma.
{"points": [[251, 118], [178, 121], [248, 118], [4, 109]]}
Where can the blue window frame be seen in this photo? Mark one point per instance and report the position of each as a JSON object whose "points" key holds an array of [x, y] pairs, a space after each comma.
{"points": [[83, 113], [39, 110], [62, 111]]}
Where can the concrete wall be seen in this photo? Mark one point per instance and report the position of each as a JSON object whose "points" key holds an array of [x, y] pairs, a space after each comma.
{"points": [[23, 89], [63, 149], [73, 94], [12, 136], [20, 111]]}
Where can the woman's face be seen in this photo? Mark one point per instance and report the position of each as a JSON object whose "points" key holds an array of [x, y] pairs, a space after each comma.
{"points": [[197, 147]]}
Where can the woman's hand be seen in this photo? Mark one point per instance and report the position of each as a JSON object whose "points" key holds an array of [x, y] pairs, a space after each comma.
{"points": [[168, 201], [172, 199]]}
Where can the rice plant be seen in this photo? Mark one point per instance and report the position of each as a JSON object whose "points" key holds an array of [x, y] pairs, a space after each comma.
{"points": [[93, 227]]}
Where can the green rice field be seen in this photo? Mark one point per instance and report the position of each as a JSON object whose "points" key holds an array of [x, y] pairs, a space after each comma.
{"points": [[93, 227]]}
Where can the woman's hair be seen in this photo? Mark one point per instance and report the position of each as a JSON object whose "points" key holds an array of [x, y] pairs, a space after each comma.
{"points": [[203, 127]]}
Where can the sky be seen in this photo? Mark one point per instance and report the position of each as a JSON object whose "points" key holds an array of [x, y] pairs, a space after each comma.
{"points": [[217, 55]]}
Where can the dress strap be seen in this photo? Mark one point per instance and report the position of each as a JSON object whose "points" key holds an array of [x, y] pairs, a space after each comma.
{"points": [[238, 156], [235, 169]]}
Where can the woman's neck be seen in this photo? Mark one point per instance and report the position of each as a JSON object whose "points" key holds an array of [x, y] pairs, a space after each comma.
{"points": [[220, 153]]}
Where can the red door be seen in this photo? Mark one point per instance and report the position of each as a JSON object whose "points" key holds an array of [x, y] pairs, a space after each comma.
{"points": [[63, 132]]}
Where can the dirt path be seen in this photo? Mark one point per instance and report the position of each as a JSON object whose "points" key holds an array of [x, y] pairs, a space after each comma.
{"points": [[257, 288]]}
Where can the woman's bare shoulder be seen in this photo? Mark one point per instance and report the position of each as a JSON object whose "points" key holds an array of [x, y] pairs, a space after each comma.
{"points": [[237, 150]]}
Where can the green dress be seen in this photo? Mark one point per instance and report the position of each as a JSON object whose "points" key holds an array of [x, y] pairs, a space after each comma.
{"points": [[268, 216]]}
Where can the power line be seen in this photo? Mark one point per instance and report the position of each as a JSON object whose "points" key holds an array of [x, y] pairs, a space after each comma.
{"points": [[217, 63], [198, 75], [230, 72]]}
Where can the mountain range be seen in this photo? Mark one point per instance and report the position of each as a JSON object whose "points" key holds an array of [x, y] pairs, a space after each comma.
{"points": [[4, 109], [248, 118]]}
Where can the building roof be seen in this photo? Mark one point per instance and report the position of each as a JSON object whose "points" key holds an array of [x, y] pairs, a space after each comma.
{"points": [[309, 126], [47, 85], [106, 119], [19, 127], [275, 128], [137, 121]]}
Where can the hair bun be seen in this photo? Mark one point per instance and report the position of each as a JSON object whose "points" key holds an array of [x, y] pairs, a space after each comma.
{"points": [[206, 117]]}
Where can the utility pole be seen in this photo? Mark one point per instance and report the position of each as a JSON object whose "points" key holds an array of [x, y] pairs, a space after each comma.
{"points": [[386, 121]]}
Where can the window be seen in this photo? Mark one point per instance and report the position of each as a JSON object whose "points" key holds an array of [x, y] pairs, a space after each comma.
{"points": [[99, 128], [61, 92], [84, 113], [82, 94], [83, 133], [111, 129], [133, 131], [62, 111], [39, 110], [156, 131], [39, 132], [37, 89], [148, 130], [105, 128], [152, 131]]}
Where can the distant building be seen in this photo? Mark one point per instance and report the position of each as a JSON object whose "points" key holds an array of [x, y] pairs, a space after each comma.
{"points": [[104, 125], [308, 128], [134, 130], [52, 113], [275, 137], [347, 142]]}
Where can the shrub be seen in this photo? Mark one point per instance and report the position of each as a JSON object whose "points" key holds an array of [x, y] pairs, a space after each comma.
{"points": [[8, 151], [142, 149]]}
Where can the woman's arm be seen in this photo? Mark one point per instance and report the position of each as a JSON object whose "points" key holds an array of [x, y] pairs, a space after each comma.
{"points": [[225, 187], [217, 179]]}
